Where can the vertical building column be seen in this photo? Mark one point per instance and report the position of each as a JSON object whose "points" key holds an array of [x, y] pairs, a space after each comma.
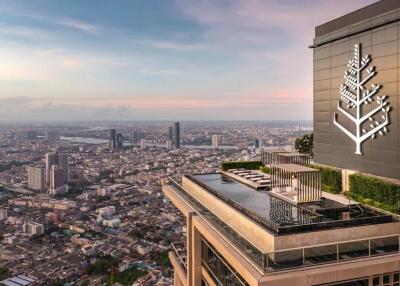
{"points": [[194, 269]]}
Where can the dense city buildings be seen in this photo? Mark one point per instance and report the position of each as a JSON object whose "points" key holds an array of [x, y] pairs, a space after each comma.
{"points": [[114, 206]]}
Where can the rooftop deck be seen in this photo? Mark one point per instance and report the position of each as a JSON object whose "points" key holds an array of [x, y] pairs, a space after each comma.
{"points": [[281, 217]]}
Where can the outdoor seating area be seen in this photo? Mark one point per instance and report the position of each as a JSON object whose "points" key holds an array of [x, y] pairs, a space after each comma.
{"points": [[260, 180]]}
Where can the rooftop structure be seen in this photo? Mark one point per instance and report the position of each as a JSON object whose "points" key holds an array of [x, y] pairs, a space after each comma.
{"points": [[296, 183], [256, 234], [269, 157]]}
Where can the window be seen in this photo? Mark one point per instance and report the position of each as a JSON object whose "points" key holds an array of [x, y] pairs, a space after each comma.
{"points": [[218, 268]]}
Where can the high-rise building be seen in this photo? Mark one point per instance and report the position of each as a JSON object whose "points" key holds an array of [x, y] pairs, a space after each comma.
{"points": [[177, 135], [57, 178], [31, 134], [143, 144], [36, 178], [296, 234], [168, 144], [3, 214], [136, 136], [33, 228], [63, 163], [171, 133], [50, 135], [61, 160], [215, 141], [113, 139], [257, 143], [120, 140], [50, 160]]}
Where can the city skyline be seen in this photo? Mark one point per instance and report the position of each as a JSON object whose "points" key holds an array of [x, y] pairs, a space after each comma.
{"points": [[157, 60]]}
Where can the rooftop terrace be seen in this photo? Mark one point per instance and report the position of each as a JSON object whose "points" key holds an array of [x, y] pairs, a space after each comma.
{"points": [[281, 217]]}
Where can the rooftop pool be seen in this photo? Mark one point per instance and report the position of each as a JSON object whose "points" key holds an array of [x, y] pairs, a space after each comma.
{"points": [[282, 217]]}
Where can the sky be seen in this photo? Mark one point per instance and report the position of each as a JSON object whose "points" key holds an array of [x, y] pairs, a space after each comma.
{"points": [[160, 59]]}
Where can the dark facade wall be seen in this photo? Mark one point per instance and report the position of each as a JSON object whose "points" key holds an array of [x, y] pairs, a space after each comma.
{"points": [[381, 156]]}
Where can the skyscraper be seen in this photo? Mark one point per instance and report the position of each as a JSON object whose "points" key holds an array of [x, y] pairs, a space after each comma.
{"points": [[113, 139], [51, 159], [119, 140], [257, 143], [215, 141], [63, 163], [36, 178], [171, 133], [60, 160], [56, 177], [176, 135], [136, 136]]}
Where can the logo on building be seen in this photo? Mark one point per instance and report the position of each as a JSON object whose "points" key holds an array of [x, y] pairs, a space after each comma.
{"points": [[368, 121]]}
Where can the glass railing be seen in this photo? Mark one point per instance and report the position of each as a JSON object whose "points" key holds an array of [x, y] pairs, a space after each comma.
{"points": [[298, 257], [179, 248], [331, 253], [249, 250]]}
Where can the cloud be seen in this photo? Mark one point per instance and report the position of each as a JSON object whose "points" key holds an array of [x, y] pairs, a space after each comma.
{"points": [[67, 22], [21, 31], [165, 45]]}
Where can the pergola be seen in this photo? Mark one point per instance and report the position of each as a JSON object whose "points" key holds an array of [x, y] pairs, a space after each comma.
{"points": [[270, 157], [296, 183], [293, 158]]}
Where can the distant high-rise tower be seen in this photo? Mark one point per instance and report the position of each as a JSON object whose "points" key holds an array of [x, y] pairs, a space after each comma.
{"points": [[171, 133], [136, 136], [36, 178], [215, 141], [119, 140], [257, 143], [56, 177], [63, 163], [60, 160], [113, 139], [31, 134], [51, 159], [177, 135]]}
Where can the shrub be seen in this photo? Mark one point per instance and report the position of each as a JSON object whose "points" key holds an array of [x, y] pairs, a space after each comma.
{"points": [[383, 193], [331, 179], [249, 165], [265, 169]]}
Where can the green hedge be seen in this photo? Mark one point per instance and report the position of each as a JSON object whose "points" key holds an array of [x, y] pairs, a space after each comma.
{"points": [[265, 169], [331, 179], [374, 191], [249, 165]]}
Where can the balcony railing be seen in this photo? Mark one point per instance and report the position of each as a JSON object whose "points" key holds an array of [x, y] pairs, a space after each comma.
{"points": [[331, 253], [179, 248], [297, 257]]}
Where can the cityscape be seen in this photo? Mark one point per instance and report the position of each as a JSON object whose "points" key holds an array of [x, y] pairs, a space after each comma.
{"points": [[125, 160]]}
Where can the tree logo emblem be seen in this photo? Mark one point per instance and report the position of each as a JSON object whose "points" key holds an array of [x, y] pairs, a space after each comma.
{"points": [[368, 123]]}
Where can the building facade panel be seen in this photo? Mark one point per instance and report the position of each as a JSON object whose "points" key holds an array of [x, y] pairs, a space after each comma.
{"points": [[380, 39]]}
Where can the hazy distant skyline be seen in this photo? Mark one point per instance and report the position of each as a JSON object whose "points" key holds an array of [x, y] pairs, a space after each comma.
{"points": [[160, 59]]}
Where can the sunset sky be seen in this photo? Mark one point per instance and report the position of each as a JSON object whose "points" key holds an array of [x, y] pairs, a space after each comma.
{"points": [[160, 59]]}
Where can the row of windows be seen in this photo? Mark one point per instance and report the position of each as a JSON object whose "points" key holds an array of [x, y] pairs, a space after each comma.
{"points": [[386, 279]]}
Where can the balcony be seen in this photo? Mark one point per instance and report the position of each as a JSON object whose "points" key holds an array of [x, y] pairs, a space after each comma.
{"points": [[331, 253], [180, 252]]}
